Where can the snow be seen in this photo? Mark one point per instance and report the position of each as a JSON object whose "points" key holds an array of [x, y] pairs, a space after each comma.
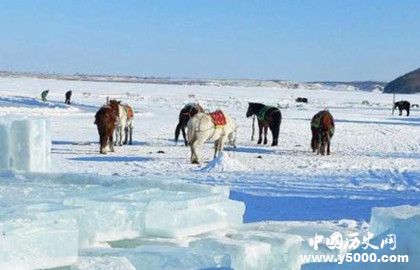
{"points": [[147, 204], [223, 163], [25, 144]]}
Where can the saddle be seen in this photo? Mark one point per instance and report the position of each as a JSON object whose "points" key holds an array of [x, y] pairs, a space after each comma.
{"points": [[218, 118], [262, 114], [316, 121], [130, 113]]}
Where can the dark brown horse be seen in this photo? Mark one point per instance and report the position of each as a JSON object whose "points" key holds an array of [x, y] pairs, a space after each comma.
{"points": [[185, 114], [402, 105], [105, 120], [268, 117], [322, 127]]}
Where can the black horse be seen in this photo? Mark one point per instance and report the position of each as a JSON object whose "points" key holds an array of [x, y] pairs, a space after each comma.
{"points": [[268, 117], [402, 105], [185, 114], [68, 97]]}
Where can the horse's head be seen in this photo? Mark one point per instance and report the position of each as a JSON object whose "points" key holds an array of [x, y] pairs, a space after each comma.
{"points": [[251, 109], [114, 104]]}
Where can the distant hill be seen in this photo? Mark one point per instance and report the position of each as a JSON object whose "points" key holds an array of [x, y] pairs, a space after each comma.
{"points": [[406, 84], [368, 86], [283, 84]]}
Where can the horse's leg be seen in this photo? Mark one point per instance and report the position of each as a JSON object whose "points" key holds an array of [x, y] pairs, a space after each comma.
{"points": [[111, 141], [216, 148], [131, 134], [118, 138], [221, 144], [232, 139], [260, 130], [184, 135], [328, 144], [102, 143], [408, 111], [313, 140], [400, 111], [318, 142], [275, 129], [126, 129], [122, 135], [194, 156], [265, 134]]}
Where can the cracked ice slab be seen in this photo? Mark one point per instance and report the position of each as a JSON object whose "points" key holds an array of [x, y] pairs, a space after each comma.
{"points": [[56, 214]]}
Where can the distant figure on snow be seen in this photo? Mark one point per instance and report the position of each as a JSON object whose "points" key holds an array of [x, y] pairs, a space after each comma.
{"points": [[402, 105], [68, 97], [301, 100], [44, 95]]}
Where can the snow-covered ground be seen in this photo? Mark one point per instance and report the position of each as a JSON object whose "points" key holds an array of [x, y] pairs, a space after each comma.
{"points": [[374, 161]]}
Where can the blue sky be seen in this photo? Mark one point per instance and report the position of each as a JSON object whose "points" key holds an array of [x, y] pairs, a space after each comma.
{"points": [[296, 40]]}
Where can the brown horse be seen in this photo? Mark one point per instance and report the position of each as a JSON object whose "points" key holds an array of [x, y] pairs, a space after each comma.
{"points": [[105, 120], [322, 126]]}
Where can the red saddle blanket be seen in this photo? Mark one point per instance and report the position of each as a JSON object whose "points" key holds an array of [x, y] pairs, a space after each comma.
{"points": [[218, 117], [129, 110]]}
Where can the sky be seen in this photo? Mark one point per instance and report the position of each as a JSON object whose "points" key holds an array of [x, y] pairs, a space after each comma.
{"points": [[298, 40]]}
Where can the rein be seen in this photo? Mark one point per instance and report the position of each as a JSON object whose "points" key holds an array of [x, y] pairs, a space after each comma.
{"points": [[253, 128]]}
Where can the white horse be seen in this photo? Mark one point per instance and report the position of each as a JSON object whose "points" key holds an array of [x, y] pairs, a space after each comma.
{"points": [[201, 128], [125, 125]]}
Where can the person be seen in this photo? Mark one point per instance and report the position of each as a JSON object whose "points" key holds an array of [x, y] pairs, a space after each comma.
{"points": [[44, 95], [68, 97]]}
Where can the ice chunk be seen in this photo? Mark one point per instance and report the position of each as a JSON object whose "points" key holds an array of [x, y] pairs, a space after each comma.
{"points": [[243, 254], [30, 145], [35, 244], [385, 218], [102, 263], [192, 217], [109, 220], [25, 144], [151, 257], [4, 146]]}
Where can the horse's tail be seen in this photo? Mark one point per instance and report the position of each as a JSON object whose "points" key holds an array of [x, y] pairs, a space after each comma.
{"points": [[177, 131]]}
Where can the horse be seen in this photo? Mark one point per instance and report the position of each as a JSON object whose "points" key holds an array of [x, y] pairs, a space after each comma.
{"points": [[68, 97], [322, 127], [268, 117], [216, 126], [105, 119], [402, 105], [125, 125], [185, 114]]}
